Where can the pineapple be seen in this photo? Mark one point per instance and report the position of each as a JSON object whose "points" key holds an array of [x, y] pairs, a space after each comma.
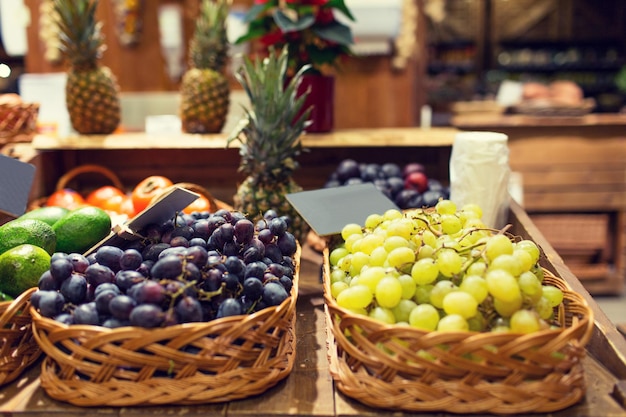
{"points": [[205, 92], [92, 93], [270, 135]]}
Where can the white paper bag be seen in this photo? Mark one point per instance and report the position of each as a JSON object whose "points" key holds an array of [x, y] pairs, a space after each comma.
{"points": [[479, 174]]}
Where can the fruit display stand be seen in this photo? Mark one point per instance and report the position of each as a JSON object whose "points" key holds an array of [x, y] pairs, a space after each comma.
{"points": [[309, 391], [573, 172]]}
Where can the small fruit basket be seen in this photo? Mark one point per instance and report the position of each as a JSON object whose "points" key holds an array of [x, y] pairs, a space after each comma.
{"points": [[18, 120], [409, 367], [18, 348]]}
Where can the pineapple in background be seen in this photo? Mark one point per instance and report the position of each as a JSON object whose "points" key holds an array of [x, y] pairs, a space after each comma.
{"points": [[270, 134], [92, 92], [205, 92]]}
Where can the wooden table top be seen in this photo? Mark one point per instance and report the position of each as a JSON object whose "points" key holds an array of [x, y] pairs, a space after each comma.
{"points": [[309, 390]]}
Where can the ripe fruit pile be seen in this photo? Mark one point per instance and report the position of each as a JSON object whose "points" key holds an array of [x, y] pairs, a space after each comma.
{"points": [[408, 186], [194, 267], [441, 269]]}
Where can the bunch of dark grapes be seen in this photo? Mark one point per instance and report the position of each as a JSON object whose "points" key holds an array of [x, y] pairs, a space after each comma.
{"points": [[193, 268]]}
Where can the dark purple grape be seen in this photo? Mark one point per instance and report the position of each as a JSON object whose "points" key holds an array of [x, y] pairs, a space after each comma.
{"points": [[74, 289], [266, 236], [268, 276], [107, 286], [86, 314], [121, 305], [114, 323], [231, 282], [131, 259], [235, 216], [147, 315], [212, 280], [214, 222], [255, 269], [79, 261], [152, 232], [49, 303], [230, 249], [97, 274], [273, 252], [109, 255], [274, 293], [279, 269], [34, 298], [229, 307], [192, 272], [278, 226], [152, 251], [168, 267], [47, 282], [61, 269], [252, 288], [197, 255], [57, 255], [125, 279], [65, 318], [244, 231], [145, 267], [189, 310], [286, 282], [252, 254], [148, 292], [270, 214], [225, 214], [197, 241], [288, 244], [235, 265], [102, 301], [201, 229], [185, 231]]}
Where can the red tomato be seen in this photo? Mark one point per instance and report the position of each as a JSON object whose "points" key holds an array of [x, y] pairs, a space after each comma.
{"points": [[147, 189], [67, 198]]}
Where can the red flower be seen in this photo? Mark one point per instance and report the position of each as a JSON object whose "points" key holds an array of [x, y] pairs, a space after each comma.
{"points": [[325, 16], [308, 2], [271, 38]]}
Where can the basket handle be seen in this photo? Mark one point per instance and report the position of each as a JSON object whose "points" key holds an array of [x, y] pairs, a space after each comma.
{"points": [[88, 168]]}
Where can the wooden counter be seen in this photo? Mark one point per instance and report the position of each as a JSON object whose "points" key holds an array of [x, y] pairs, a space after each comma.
{"points": [[309, 390]]}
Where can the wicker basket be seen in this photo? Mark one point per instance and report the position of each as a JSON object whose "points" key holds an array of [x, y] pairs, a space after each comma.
{"points": [[18, 121], [18, 348], [407, 369], [193, 363]]}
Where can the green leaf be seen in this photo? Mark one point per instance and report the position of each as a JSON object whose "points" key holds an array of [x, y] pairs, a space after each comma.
{"points": [[288, 25], [335, 32], [256, 11], [256, 29], [341, 6]]}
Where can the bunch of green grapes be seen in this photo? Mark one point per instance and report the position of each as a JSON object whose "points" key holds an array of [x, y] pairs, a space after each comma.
{"points": [[441, 269]]}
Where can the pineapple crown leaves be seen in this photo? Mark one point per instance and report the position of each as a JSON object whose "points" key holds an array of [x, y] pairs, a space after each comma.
{"points": [[79, 32], [271, 130], [208, 47]]}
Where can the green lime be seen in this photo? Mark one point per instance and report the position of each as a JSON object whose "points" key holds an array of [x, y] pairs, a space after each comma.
{"points": [[49, 214], [20, 231], [81, 228], [21, 267]]}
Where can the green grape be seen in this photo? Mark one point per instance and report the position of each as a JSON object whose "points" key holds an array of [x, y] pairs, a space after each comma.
{"points": [[445, 207], [372, 221], [382, 314], [447, 241], [475, 210], [425, 251], [351, 229], [402, 227], [370, 242], [394, 242], [424, 316], [408, 286], [388, 292], [538, 271], [400, 257], [356, 296], [530, 247], [336, 254], [424, 271], [359, 311], [476, 286], [345, 262], [351, 240], [544, 309], [524, 259], [530, 286], [477, 267], [461, 303], [507, 262], [553, 295], [449, 262], [452, 323], [498, 245], [359, 260], [507, 308], [392, 214], [525, 321], [477, 323], [378, 257], [337, 287], [440, 290], [502, 285], [429, 238], [422, 293], [337, 275], [450, 224], [403, 310], [371, 276]]}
